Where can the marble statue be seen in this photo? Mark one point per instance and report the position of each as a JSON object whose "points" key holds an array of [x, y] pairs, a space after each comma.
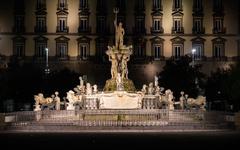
{"points": [[144, 89], [124, 68], [114, 67], [88, 89], [39, 99], [57, 101], [155, 81], [157, 90], [182, 100], [119, 82], [119, 31], [150, 88], [95, 90], [199, 102], [81, 81]]}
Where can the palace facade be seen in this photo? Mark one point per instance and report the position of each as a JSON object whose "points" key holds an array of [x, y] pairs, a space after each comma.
{"points": [[77, 32]]}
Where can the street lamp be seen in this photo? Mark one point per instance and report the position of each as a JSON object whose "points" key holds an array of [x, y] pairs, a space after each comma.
{"points": [[47, 69], [193, 56]]}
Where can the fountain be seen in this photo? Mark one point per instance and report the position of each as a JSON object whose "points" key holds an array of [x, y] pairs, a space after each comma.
{"points": [[119, 55]]}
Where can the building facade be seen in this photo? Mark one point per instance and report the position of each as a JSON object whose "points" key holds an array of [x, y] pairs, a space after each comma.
{"points": [[77, 32]]}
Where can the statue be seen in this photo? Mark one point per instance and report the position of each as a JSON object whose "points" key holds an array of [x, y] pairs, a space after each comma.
{"points": [[144, 89], [114, 68], [157, 90], [119, 82], [182, 100], [124, 68], [57, 101], [88, 89], [81, 81], [119, 31], [199, 102], [95, 90], [155, 81], [150, 88]]}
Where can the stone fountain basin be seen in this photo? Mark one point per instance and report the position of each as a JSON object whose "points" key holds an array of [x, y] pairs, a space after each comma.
{"points": [[120, 100]]}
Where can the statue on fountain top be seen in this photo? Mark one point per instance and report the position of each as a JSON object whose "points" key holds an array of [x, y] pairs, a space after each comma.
{"points": [[119, 32]]}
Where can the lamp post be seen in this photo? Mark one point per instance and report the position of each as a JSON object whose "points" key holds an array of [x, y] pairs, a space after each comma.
{"points": [[47, 70], [193, 56]]}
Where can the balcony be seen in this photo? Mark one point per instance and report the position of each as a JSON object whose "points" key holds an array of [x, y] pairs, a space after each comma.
{"points": [[219, 30], [63, 29], [198, 30], [40, 29], [157, 31], [20, 29], [179, 30], [84, 30], [140, 31]]}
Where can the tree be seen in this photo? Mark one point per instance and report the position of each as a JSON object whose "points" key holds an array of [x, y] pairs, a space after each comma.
{"points": [[179, 75]]}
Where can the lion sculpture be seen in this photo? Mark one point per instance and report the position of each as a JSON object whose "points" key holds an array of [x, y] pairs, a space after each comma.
{"points": [[199, 102], [39, 99]]}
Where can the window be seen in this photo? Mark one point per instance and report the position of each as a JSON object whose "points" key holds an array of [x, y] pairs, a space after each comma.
{"points": [[158, 51], [218, 50], [19, 23], [198, 25], [177, 25], [218, 47], [157, 24], [121, 4], [101, 5], [101, 24], [62, 47], [177, 47], [83, 51], [177, 51], [218, 25], [140, 48], [101, 47], [19, 50], [19, 47], [177, 4], [157, 4], [41, 24], [140, 5], [62, 24], [140, 24], [217, 5], [197, 5], [41, 49], [199, 51], [83, 24], [40, 46], [83, 4], [41, 4], [62, 50], [62, 4]]}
